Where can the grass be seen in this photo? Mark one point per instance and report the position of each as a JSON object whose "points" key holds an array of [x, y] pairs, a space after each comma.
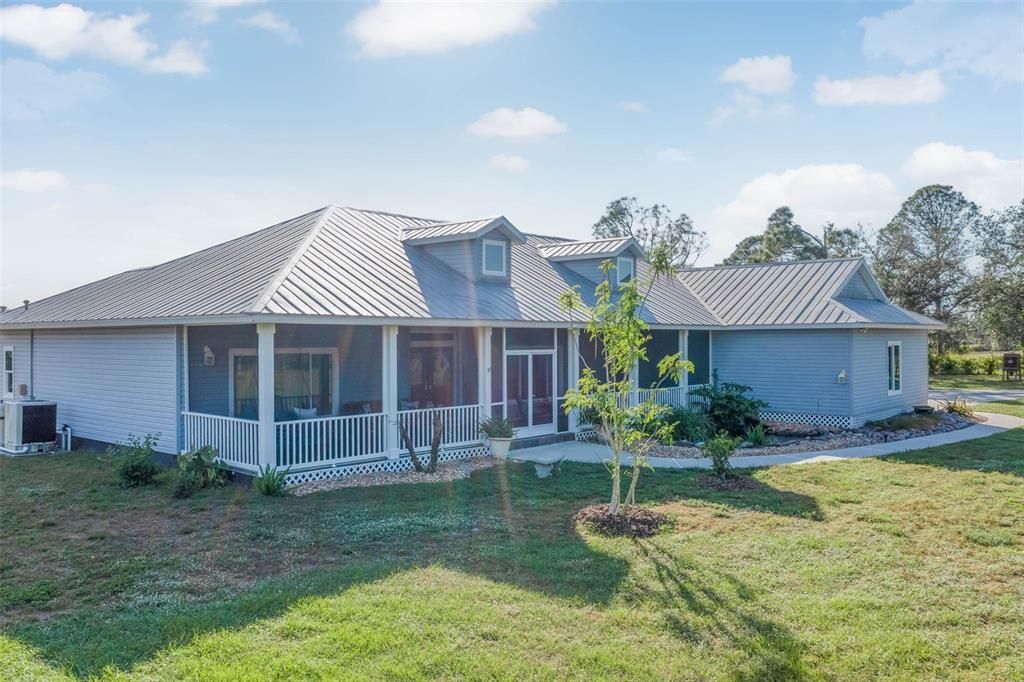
{"points": [[908, 567], [1014, 408], [968, 382]]}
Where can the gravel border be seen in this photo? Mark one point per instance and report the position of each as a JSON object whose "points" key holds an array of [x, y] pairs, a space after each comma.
{"points": [[446, 471], [865, 435]]}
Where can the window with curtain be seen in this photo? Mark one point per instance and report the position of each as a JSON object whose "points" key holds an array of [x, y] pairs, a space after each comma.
{"points": [[303, 385]]}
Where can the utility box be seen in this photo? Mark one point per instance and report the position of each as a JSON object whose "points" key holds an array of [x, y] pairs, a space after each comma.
{"points": [[29, 426]]}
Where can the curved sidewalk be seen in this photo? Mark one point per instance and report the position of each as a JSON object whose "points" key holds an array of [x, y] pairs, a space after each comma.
{"points": [[575, 451]]}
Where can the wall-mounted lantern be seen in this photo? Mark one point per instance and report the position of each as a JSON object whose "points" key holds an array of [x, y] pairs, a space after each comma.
{"points": [[842, 377]]}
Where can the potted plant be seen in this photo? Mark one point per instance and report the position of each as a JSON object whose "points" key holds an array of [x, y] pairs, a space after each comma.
{"points": [[499, 433]]}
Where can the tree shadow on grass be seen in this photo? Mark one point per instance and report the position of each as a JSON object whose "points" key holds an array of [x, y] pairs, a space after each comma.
{"points": [[717, 615], [503, 524], [1000, 453]]}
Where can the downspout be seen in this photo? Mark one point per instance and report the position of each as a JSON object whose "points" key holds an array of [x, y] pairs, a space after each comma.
{"points": [[31, 363]]}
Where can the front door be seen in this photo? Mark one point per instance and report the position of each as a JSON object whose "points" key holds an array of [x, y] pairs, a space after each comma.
{"points": [[432, 377], [530, 405]]}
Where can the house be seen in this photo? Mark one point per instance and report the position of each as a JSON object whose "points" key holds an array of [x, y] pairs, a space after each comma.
{"points": [[306, 343]]}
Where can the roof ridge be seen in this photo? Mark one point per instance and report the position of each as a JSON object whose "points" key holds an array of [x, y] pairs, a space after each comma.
{"points": [[286, 269], [602, 239], [773, 263], [434, 221], [452, 222]]}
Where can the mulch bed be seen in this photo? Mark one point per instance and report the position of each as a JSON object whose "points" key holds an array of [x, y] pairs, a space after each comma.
{"points": [[446, 471], [633, 522], [730, 482]]}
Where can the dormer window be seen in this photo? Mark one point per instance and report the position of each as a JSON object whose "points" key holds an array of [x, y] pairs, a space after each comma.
{"points": [[494, 257], [623, 270]]}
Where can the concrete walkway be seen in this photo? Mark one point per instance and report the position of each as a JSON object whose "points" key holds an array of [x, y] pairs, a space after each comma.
{"points": [[576, 451]]}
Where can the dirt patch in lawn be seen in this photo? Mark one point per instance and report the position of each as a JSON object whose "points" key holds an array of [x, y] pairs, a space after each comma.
{"points": [[447, 471]]}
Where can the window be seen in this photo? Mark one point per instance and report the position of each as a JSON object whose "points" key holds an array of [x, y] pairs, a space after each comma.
{"points": [[494, 257], [624, 269], [895, 371], [304, 383], [8, 388]]}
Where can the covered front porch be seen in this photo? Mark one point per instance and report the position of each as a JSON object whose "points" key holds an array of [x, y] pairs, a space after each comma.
{"points": [[320, 396]]}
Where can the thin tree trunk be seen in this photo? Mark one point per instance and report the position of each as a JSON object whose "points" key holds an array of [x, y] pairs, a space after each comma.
{"points": [[631, 493]]}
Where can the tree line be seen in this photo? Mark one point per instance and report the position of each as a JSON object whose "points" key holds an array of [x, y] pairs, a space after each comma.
{"points": [[941, 255]]}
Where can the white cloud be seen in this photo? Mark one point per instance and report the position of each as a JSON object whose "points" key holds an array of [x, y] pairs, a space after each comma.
{"points": [[764, 75], [982, 176], [506, 122], [673, 154], [844, 193], [508, 162], [393, 27], [276, 24], [983, 38], [29, 180], [922, 87], [65, 31], [31, 89], [633, 106], [208, 11], [751, 106], [181, 57]]}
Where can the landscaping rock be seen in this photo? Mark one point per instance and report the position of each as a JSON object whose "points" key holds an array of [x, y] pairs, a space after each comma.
{"points": [[446, 471]]}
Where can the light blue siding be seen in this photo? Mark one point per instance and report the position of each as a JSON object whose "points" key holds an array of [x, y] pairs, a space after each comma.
{"points": [[857, 287], [869, 377], [466, 257], [109, 383], [589, 268], [794, 371]]}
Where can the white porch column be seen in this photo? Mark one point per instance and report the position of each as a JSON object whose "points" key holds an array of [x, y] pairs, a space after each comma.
{"points": [[711, 364], [265, 367], [684, 354], [483, 370], [389, 387], [572, 357]]}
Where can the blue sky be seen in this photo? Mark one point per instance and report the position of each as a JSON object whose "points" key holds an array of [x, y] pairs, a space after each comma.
{"points": [[134, 133]]}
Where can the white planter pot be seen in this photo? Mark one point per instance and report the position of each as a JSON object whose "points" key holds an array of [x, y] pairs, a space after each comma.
{"points": [[500, 446]]}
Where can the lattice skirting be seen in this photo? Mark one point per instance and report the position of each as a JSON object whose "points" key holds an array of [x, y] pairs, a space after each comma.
{"points": [[835, 420], [400, 464], [588, 436]]}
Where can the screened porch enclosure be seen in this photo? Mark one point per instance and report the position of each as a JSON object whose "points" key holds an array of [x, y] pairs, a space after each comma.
{"points": [[348, 393]]}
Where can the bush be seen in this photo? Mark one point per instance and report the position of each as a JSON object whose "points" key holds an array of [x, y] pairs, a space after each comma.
{"points": [[933, 362], [990, 364], [720, 449], [197, 470], [729, 409], [271, 481], [969, 365], [690, 425], [756, 436], [948, 364], [134, 460], [958, 406]]}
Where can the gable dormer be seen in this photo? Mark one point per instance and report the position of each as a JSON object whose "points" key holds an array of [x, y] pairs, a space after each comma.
{"points": [[481, 250], [861, 284], [585, 258]]}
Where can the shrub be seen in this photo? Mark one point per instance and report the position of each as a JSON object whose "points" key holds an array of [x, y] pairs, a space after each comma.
{"points": [[691, 425], [969, 365], [729, 409], [271, 481], [197, 470], [933, 362], [990, 364], [948, 364], [134, 460], [958, 406], [720, 449], [756, 436], [497, 427]]}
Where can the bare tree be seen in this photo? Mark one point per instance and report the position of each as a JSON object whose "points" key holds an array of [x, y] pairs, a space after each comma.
{"points": [[653, 226]]}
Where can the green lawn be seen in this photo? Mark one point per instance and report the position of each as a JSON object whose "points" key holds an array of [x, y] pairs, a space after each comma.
{"points": [[910, 567], [981, 382], [1013, 408]]}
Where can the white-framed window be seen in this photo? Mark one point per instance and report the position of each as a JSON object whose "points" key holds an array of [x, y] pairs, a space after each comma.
{"points": [[895, 351], [8, 378], [494, 257], [305, 383], [623, 269]]}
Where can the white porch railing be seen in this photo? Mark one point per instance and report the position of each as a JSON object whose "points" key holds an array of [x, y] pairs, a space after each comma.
{"points": [[696, 401], [236, 440], [461, 426], [324, 441], [673, 396]]}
